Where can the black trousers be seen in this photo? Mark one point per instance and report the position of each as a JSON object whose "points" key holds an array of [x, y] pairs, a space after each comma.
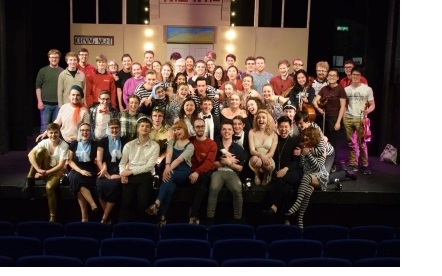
{"points": [[136, 197], [199, 193]]}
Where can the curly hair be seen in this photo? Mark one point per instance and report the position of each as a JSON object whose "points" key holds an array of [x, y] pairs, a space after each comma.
{"points": [[268, 128], [310, 137]]}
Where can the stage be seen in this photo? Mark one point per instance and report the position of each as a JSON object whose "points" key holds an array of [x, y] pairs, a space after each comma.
{"points": [[371, 199]]}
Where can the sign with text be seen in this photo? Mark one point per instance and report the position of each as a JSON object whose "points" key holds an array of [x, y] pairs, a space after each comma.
{"points": [[93, 40]]}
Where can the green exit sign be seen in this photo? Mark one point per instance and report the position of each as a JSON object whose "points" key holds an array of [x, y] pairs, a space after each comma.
{"points": [[342, 28]]}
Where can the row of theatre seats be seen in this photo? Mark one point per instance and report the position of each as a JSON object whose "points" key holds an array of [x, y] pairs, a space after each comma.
{"points": [[40, 243]]}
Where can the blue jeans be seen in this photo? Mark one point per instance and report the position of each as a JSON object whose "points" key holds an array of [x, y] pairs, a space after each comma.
{"points": [[179, 177], [48, 115]]}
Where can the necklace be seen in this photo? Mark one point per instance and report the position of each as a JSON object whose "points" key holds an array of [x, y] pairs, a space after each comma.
{"points": [[280, 151]]}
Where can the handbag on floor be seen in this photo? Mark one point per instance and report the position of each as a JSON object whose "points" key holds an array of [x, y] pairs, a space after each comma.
{"points": [[389, 154]]}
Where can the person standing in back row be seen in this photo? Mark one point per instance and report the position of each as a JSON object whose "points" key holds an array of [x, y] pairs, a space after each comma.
{"points": [[360, 104], [46, 89]]}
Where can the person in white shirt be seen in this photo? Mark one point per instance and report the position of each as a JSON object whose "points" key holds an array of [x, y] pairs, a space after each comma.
{"points": [[136, 170], [212, 122]]}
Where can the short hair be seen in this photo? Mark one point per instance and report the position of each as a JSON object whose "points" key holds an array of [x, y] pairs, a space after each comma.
{"points": [[53, 127], [260, 57], [54, 51], [238, 117], [133, 96], [70, 54], [232, 56], [334, 70], [212, 53], [227, 122], [201, 79], [249, 58], [151, 72], [159, 108], [323, 64], [284, 61], [181, 124], [101, 57], [84, 50], [126, 55], [104, 92], [149, 52], [284, 119], [206, 99], [349, 61], [302, 116], [175, 55], [114, 121], [180, 59], [295, 59], [198, 119], [356, 69], [201, 61]]}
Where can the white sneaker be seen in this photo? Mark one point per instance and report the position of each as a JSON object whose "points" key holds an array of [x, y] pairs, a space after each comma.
{"points": [[194, 220]]}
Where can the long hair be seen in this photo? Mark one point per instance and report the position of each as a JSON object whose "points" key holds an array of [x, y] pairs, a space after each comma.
{"points": [[269, 124], [183, 113], [183, 125]]}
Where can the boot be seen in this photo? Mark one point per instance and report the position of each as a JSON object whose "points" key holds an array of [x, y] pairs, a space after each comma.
{"points": [[29, 187]]}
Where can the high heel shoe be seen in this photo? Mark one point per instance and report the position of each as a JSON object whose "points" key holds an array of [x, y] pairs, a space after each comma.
{"points": [[94, 208], [153, 209]]}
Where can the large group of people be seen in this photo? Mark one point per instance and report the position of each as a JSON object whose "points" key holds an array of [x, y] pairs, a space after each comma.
{"points": [[197, 125]]}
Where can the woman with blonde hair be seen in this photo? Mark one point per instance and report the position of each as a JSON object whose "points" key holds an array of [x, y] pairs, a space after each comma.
{"points": [[262, 142], [178, 169]]}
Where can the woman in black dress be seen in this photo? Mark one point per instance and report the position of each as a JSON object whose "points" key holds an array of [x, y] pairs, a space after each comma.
{"points": [[81, 157], [109, 179]]}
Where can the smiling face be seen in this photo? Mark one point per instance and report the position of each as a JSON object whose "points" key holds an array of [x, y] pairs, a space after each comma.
{"points": [[235, 100], [113, 67], [72, 62], [143, 129], [134, 103], [114, 130], [148, 59], [250, 66], [247, 82], [232, 73], [260, 65], [183, 91], [261, 120], [230, 61], [289, 112], [156, 66], [166, 71], [54, 58], [210, 65], [136, 71], [252, 106], [284, 129], [200, 68], [179, 133], [127, 63], [238, 126], [189, 108], [321, 72], [101, 65], [199, 127], [206, 107], [75, 96], [228, 89], [85, 132], [227, 131], [283, 69], [189, 64], [301, 79], [218, 74], [54, 135], [267, 92], [160, 92], [302, 125]]}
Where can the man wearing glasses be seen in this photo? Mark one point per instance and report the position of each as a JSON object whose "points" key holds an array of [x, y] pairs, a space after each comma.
{"points": [[334, 98], [348, 65], [101, 114], [359, 96], [46, 89], [83, 65], [298, 64]]}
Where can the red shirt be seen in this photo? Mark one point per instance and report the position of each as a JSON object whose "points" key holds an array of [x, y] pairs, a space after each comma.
{"points": [[279, 85], [88, 70], [204, 155], [346, 81], [97, 82]]}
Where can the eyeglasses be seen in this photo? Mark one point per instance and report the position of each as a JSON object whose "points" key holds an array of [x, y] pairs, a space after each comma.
{"points": [[298, 64], [356, 75], [105, 99], [334, 76], [323, 71], [112, 65]]}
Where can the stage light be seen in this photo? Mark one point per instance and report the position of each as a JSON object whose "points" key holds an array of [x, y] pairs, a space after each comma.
{"points": [[148, 46], [146, 22], [231, 34], [233, 13], [148, 32], [146, 9], [232, 25], [230, 48]]}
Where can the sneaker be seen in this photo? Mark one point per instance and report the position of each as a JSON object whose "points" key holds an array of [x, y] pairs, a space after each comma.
{"points": [[194, 220], [365, 170], [353, 168], [351, 175]]}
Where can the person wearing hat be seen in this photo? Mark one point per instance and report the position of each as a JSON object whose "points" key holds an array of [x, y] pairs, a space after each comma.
{"points": [[70, 116], [289, 110], [136, 170]]}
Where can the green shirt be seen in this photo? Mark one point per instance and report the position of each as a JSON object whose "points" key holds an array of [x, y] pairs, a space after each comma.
{"points": [[47, 81]]}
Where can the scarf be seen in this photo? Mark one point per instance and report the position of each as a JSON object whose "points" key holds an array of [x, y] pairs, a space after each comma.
{"points": [[77, 108], [83, 151], [114, 148]]}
